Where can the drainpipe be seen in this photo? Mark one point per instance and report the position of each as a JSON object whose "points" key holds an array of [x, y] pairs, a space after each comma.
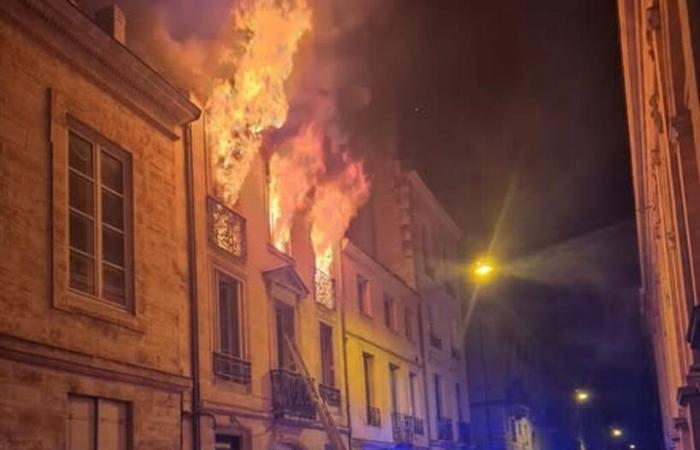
{"points": [[192, 275], [344, 338]]}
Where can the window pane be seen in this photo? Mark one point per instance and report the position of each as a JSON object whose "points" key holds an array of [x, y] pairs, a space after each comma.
{"points": [[228, 316], [112, 172], [113, 246], [112, 210], [81, 423], [80, 155], [82, 273], [82, 233], [114, 284], [81, 194]]}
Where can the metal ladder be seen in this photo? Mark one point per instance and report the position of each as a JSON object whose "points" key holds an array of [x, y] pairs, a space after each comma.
{"points": [[336, 441]]}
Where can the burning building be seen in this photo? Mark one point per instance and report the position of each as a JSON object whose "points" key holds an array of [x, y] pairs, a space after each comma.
{"points": [[178, 271]]}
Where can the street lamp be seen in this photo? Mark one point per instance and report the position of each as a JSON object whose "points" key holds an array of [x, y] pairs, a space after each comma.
{"points": [[632, 447], [581, 396], [482, 269], [616, 432]]}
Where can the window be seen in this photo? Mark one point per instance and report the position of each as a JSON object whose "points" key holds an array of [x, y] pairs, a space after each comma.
{"points": [[99, 210], [408, 323], [327, 368], [388, 312], [284, 321], [425, 244], [229, 295], [368, 366], [412, 392], [393, 375], [438, 396], [225, 442], [95, 423], [363, 294]]}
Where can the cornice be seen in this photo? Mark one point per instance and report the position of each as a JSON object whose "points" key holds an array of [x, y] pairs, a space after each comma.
{"points": [[69, 33]]}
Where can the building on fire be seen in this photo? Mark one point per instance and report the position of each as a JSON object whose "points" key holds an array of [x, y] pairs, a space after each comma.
{"points": [[141, 309], [660, 49]]}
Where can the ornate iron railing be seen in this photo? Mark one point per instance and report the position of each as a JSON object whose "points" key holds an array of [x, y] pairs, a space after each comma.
{"points": [[403, 428], [374, 416], [418, 427], [444, 429], [230, 368], [464, 432], [290, 396], [227, 229], [324, 289], [435, 341], [329, 394]]}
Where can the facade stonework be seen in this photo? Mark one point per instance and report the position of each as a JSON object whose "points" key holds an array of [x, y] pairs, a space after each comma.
{"points": [[212, 338], [660, 47]]}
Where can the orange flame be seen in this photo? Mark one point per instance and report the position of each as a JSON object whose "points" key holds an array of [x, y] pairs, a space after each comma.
{"points": [[294, 171], [253, 100], [336, 202]]}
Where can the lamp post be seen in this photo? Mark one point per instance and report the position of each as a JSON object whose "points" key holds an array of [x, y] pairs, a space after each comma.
{"points": [[581, 398]]}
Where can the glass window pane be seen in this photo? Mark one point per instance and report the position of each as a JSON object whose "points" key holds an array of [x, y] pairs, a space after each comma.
{"points": [[113, 246], [82, 233], [80, 155], [81, 194], [81, 423], [228, 316], [114, 284], [82, 273], [112, 210], [112, 172]]}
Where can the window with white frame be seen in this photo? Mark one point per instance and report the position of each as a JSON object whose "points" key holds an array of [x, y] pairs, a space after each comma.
{"points": [[97, 423], [229, 303], [99, 209]]}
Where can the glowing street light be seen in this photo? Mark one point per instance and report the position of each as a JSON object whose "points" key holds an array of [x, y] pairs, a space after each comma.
{"points": [[483, 269], [616, 432], [632, 447], [582, 396]]}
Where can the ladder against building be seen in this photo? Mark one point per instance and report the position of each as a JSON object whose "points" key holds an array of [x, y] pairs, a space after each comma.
{"points": [[335, 440]]}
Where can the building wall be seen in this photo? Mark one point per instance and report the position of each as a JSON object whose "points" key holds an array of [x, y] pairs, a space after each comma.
{"points": [[659, 49], [55, 342]]}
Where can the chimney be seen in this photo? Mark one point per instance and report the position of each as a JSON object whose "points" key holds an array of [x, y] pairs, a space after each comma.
{"points": [[112, 21]]}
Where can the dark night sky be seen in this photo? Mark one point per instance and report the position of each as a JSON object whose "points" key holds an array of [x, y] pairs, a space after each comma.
{"points": [[527, 97]]}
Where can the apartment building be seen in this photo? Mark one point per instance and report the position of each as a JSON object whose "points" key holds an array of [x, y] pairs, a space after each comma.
{"points": [[94, 305], [143, 310]]}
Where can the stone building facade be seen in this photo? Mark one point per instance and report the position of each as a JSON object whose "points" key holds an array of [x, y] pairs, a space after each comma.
{"points": [[660, 50], [139, 311]]}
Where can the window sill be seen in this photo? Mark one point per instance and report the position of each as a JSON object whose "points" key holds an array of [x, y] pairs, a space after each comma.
{"points": [[280, 254], [78, 303]]}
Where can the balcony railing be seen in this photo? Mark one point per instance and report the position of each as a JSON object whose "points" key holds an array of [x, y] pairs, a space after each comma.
{"points": [[329, 394], [435, 341], [418, 427], [374, 416], [230, 368], [290, 397], [464, 432], [444, 429], [226, 229], [403, 428], [324, 289]]}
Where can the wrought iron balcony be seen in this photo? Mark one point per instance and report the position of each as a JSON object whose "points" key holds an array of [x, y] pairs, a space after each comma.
{"points": [[324, 289], [227, 229], [374, 416], [230, 368], [464, 432], [444, 426], [435, 341], [290, 396], [403, 428], [329, 394], [418, 427]]}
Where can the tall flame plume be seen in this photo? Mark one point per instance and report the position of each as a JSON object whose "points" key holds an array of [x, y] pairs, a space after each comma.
{"points": [[241, 108]]}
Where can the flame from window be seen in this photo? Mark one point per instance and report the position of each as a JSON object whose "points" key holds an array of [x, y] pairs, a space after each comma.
{"points": [[242, 107]]}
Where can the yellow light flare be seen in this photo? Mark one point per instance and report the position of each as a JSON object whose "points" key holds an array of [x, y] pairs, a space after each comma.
{"points": [[483, 269]]}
